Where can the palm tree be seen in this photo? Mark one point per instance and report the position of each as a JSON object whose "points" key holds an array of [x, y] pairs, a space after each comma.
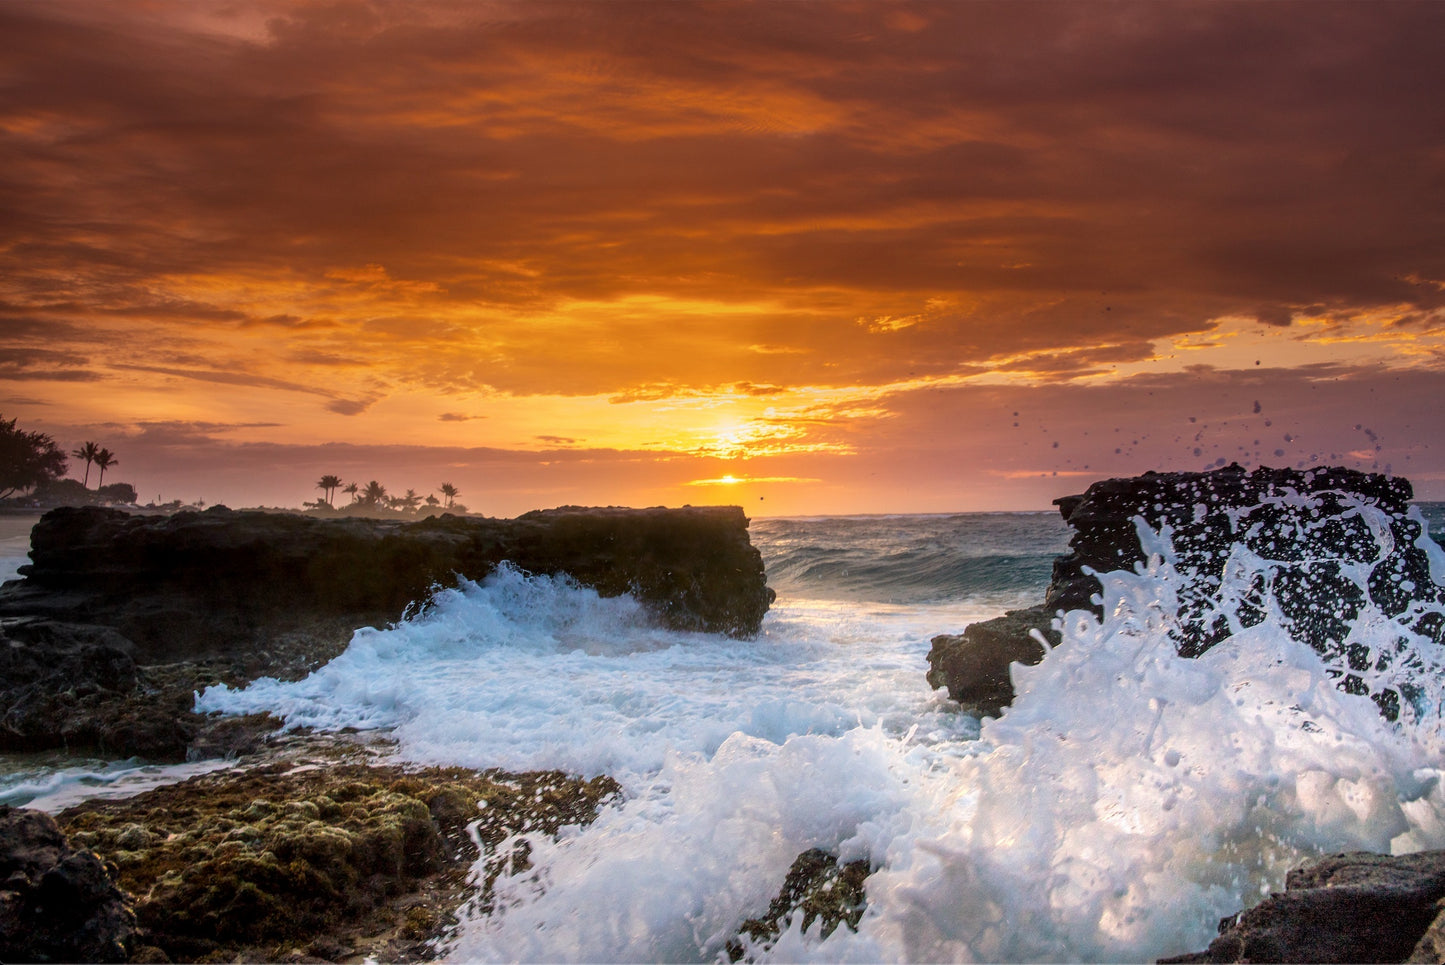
{"points": [[373, 494], [451, 493], [87, 452], [432, 501], [410, 501], [328, 485], [104, 458], [351, 489]]}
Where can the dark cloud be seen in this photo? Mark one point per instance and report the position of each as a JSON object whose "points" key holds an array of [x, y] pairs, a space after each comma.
{"points": [[349, 406], [1192, 159]]}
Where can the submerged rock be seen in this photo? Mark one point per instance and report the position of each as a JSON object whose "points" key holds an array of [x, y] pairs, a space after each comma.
{"points": [[57, 903], [1355, 907], [346, 861], [819, 889], [1310, 533]]}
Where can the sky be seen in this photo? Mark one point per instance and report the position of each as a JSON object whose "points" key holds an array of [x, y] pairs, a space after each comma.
{"points": [[805, 257]]}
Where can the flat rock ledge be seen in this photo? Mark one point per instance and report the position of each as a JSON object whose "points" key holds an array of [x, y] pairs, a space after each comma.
{"points": [[1356, 907], [274, 863], [1302, 521], [120, 618]]}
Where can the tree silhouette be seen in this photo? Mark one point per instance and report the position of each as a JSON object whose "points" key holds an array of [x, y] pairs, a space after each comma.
{"points": [[104, 458], [451, 493], [351, 489], [328, 485], [374, 494], [87, 451], [432, 501], [411, 501], [27, 459]]}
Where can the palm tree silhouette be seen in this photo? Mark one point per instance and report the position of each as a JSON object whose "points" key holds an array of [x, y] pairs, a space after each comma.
{"points": [[373, 494], [104, 458], [410, 501], [351, 489], [328, 485], [87, 452], [450, 492]]}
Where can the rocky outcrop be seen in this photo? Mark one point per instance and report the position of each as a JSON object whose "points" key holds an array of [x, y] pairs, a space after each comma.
{"points": [[214, 582], [1356, 907], [818, 889], [1314, 530], [57, 903], [339, 863], [121, 617]]}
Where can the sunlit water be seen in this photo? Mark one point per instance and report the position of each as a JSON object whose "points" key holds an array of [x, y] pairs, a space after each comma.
{"points": [[1126, 801]]}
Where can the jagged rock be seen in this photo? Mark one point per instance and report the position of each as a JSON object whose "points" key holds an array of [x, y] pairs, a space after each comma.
{"points": [[57, 903], [817, 887], [1356, 907], [343, 862], [1304, 525], [974, 665]]}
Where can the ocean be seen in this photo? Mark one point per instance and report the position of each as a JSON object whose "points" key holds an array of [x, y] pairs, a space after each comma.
{"points": [[1126, 802]]}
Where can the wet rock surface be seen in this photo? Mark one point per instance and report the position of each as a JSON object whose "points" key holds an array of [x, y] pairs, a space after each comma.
{"points": [[816, 889], [312, 863], [120, 618], [1310, 531], [1356, 907], [58, 903]]}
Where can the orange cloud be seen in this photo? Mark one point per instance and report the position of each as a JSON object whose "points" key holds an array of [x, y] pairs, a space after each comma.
{"points": [[702, 231]]}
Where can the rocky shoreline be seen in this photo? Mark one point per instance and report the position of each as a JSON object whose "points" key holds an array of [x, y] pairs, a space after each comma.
{"points": [[312, 852], [288, 856], [280, 861], [121, 618]]}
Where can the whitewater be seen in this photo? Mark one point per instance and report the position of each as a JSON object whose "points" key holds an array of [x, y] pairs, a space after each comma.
{"points": [[1126, 802]]}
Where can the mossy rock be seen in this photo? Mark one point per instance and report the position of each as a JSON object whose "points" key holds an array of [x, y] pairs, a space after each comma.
{"points": [[256, 862], [816, 887]]}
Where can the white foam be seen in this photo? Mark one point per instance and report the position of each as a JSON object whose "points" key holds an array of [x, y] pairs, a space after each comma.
{"points": [[536, 672], [51, 788], [1124, 803]]}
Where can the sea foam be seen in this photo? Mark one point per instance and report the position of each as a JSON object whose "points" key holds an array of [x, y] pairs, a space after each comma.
{"points": [[1125, 802]]}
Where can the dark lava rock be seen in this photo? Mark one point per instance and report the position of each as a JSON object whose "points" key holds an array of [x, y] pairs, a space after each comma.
{"points": [[1355, 907], [346, 861], [120, 618], [57, 903], [1310, 528], [817, 887], [78, 686], [219, 583]]}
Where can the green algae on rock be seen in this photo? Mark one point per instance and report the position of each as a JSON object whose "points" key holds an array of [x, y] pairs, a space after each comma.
{"points": [[328, 863], [817, 887]]}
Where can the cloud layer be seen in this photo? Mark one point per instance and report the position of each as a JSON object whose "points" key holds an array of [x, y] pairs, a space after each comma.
{"points": [[708, 229]]}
